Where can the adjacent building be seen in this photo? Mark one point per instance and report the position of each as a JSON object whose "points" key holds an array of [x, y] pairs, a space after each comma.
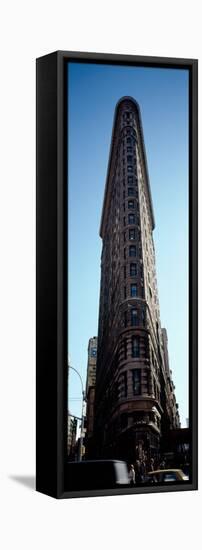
{"points": [[91, 366], [90, 392], [135, 403], [71, 436]]}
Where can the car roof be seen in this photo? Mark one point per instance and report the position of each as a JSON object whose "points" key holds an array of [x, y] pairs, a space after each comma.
{"points": [[166, 470]]}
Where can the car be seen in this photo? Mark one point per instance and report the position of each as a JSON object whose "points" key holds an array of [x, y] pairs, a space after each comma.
{"points": [[167, 475], [96, 474]]}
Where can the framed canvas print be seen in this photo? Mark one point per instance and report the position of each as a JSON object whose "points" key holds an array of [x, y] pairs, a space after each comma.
{"points": [[116, 274]]}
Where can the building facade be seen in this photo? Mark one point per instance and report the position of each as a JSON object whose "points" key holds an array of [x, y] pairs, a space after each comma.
{"points": [[71, 436], [133, 407], [90, 392], [91, 365]]}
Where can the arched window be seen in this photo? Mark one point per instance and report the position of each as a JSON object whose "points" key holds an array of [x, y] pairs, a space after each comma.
{"points": [[131, 234]]}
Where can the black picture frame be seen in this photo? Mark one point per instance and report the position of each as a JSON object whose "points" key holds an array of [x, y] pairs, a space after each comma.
{"points": [[52, 273]]}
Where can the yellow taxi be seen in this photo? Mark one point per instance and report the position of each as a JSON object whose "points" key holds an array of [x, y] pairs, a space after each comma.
{"points": [[166, 476]]}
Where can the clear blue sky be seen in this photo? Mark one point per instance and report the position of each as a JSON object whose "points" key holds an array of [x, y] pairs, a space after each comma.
{"points": [[93, 91]]}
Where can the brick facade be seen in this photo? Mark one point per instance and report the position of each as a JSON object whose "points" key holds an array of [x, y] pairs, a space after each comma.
{"points": [[133, 390]]}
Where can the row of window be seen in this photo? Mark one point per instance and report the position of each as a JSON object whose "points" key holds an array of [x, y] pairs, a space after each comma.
{"points": [[129, 132], [130, 169], [131, 180], [137, 318], [131, 139], [132, 192], [140, 417], [131, 219], [132, 251], [133, 270], [127, 115], [128, 124], [134, 291], [136, 383], [131, 205], [131, 235], [133, 349], [130, 159]]}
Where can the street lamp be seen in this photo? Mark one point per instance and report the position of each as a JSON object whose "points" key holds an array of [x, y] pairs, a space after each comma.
{"points": [[82, 413]]}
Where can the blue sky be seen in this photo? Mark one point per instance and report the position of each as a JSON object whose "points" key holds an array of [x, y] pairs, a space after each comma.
{"points": [[93, 91]]}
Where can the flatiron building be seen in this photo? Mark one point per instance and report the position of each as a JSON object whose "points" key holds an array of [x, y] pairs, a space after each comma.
{"points": [[134, 391]]}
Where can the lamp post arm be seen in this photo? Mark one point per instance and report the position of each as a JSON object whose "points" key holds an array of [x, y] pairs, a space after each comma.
{"points": [[77, 372]]}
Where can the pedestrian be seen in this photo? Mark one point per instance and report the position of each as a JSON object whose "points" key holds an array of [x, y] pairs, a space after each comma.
{"points": [[131, 475], [162, 465], [138, 478], [151, 465], [143, 470]]}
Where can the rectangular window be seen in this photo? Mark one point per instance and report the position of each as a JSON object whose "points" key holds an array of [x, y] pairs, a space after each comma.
{"points": [[125, 384], [129, 140], [124, 272], [133, 270], [124, 253], [129, 149], [131, 204], [131, 219], [132, 250], [135, 346], [124, 292], [131, 191], [125, 348], [131, 234], [136, 381], [130, 179], [133, 290], [134, 317], [129, 158], [130, 168], [147, 380]]}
